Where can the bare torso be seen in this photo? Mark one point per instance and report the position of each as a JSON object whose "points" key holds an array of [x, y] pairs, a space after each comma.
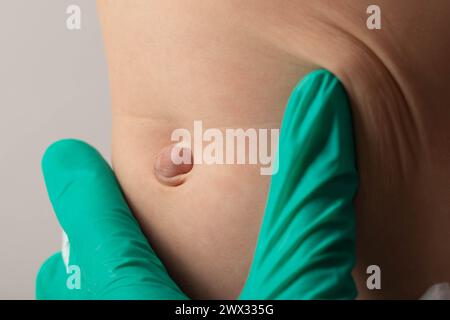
{"points": [[233, 64]]}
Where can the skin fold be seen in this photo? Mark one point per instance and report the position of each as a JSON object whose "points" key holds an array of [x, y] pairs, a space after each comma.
{"points": [[233, 64]]}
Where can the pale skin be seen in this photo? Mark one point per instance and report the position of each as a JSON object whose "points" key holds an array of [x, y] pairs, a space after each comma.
{"points": [[233, 64]]}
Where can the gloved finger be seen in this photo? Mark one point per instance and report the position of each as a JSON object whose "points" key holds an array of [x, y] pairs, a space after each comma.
{"points": [[305, 248], [81, 186], [52, 280], [105, 239]]}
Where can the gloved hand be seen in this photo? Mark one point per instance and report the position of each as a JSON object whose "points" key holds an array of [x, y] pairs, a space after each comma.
{"points": [[114, 258], [305, 248], [306, 245]]}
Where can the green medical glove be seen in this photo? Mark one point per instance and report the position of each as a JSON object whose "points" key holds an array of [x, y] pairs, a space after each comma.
{"points": [[306, 245], [114, 258], [305, 248]]}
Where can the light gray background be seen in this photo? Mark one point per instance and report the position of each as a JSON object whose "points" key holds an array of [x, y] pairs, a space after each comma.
{"points": [[53, 85]]}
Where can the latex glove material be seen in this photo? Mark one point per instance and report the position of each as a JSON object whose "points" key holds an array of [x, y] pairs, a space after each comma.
{"points": [[306, 245], [114, 257]]}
